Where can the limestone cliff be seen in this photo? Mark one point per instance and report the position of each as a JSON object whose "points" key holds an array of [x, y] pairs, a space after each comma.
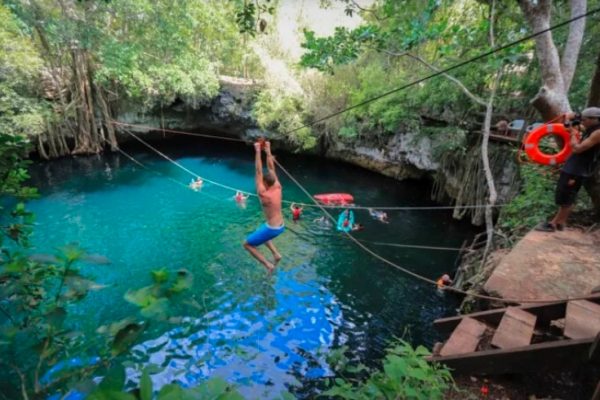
{"points": [[457, 177]]}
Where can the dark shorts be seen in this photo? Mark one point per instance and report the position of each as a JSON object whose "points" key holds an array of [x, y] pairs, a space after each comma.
{"points": [[263, 234], [567, 188]]}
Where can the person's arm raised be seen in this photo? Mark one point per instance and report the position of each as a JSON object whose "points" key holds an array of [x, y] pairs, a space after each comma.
{"points": [[270, 162], [258, 178]]}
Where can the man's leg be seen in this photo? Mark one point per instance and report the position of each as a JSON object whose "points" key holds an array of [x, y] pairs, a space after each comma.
{"points": [[276, 256], [562, 215], [258, 255]]}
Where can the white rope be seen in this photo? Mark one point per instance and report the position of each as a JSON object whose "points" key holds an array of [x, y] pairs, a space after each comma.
{"points": [[329, 206], [421, 277], [411, 246], [385, 260], [185, 169]]}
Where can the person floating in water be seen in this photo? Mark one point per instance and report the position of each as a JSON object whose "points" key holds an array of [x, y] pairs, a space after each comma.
{"points": [[381, 216], [268, 189], [323, 221], [296, 212], [345, 221], [357, 227], [196, 184], [443, 281], [240, 199]]}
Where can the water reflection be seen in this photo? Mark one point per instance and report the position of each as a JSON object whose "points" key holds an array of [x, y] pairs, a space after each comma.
{"points": [[271, 342]]}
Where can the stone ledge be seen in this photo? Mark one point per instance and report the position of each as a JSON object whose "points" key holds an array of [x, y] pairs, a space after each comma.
{"points": [[549, 266]]}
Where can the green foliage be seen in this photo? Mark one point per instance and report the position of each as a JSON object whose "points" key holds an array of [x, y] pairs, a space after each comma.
{"points": [[405, 375], [247, 15], [153, 300], [341, 48], [276, 110], [535, 202], [21, 111], [454, 141], [378, 56], [37, 291], [166, 54]]}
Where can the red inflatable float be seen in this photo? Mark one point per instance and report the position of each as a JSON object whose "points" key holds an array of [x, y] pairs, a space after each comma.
{"points": [[532, 144], [335, 198]]}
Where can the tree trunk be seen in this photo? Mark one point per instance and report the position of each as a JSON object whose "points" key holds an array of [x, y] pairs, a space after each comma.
{"points": [[62, 143], [51, 144], [551, 99], [112, 139], [594, 96], [83, 138], [489, 177], [593, 184], [41, 149]]}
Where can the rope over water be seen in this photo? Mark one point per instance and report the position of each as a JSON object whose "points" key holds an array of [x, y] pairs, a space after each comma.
{"points": [[323, 208]]}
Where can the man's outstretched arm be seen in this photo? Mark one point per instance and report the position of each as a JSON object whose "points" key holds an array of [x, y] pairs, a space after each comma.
{"points": [[258, 178], [270, 162]]}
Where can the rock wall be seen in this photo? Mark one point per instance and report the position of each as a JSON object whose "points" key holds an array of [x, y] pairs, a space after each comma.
{"points": [[229, 114], [403, 155], [400, 156]]}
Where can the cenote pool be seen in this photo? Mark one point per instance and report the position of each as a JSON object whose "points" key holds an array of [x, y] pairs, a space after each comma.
{"points": [[265, 334]]}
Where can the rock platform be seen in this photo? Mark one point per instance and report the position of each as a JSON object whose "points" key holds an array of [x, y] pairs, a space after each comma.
{"points": [[548, 266]]}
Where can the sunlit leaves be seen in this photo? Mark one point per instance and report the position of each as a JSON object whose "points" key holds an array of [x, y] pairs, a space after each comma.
{"points": [[343, 47], [145, 386], [405, 375], [248, 13], [183, 281], [153, 300], [167, 52], [21, 112], [284, 113]]}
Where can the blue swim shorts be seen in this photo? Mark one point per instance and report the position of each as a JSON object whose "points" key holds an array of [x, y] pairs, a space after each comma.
{"points": [[263, 234]]}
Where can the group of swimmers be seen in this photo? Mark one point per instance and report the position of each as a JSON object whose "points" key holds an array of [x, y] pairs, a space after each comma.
{"points": [[268, 190]]}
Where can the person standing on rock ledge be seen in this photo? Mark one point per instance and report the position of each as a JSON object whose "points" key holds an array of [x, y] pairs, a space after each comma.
{"points": [[268, 189], [578, 167]]}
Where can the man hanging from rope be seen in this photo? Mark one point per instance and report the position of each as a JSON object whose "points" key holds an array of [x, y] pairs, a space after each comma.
{"points": [[268, 189]]}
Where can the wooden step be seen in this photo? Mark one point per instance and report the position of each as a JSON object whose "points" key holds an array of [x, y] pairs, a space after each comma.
{"points": [[465, 337], [515, 329], [582, 319]]}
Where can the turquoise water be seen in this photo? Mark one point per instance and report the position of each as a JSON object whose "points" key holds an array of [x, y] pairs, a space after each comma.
{"points": [[267, 334]]}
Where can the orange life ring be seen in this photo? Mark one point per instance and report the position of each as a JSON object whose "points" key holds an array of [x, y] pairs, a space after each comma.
{"points": [[532, 144]]}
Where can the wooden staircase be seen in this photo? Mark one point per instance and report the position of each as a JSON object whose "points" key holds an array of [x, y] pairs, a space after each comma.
{"points": [[521, 339]]}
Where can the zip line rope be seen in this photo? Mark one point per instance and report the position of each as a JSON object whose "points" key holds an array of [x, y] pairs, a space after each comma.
{"points": [[390, 208], [365, 248], [132, 159], [137, 162], [433, 75], [446, 70], [358, 243], [412, 246], [231, 139], [421, 277]]}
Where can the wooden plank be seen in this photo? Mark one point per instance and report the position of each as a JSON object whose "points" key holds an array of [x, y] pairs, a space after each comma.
{"points": [[544, 312], [502, 138], [596, 395], [465, 337], [515, 329], [582, 319], [547, 356], [594, 354]]}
